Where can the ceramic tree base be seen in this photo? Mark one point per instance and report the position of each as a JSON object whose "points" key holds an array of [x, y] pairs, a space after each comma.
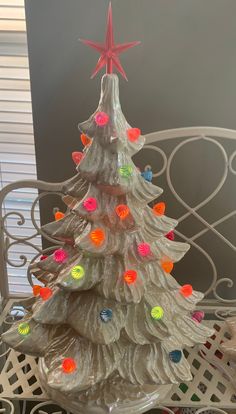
{"points": [[113, 396]]}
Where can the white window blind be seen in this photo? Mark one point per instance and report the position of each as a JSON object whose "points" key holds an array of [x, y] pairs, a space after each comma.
{"points": [[17, 149]]}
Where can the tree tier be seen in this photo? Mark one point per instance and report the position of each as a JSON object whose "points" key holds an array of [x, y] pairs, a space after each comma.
{"points": [[138, 364], [113, 134], [103, 207], [102, 320]]}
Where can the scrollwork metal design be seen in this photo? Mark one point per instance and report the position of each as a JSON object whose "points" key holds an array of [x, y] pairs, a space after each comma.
{"points": [[223, 313], [22, 257], [187, 137], [39, 230], [231, 159], [44, 404], [15, 313], [229, 283], [4, 354], [10, 405], [166, 409], [20, 222], [213, 409], [9, 240]]}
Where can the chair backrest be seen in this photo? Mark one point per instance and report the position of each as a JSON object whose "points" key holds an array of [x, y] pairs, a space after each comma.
{"points": [[196, 167], [21, 235]]}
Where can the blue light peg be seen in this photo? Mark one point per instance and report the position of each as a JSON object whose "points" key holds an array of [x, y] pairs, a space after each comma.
{"points": [[147, 174], [106, 315], [175, 356]]}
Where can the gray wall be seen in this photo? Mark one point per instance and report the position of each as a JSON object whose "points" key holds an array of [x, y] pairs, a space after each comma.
{"points": [[183, 74]]}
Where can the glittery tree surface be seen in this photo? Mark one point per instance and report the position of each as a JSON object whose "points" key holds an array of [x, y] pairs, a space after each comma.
{"points": [[112, 324]]}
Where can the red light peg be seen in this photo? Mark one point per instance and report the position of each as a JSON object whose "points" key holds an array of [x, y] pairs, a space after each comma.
{"points": [[43, 257], [122, 211], [77, 157], [133, 134], [130, 276], [186, 290], [68, 365], [45, 293], [170, 235]]}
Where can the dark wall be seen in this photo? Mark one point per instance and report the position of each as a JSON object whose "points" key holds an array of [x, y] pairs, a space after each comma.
{"points": [[183, 73]]}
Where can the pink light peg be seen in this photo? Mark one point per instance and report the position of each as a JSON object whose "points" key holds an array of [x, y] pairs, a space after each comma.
{"points": [[60, 255], [144, 249], [101, 119], [198, 316], [90, 204]]}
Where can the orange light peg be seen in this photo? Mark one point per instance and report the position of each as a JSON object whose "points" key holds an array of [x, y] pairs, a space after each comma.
{"points": [[85, 140], [130, 276], [97, 237], [36, 289], [186, 290], [45, 293], [122, 211], [167, 266], [68, 365], [59, 215], [159, 209]]}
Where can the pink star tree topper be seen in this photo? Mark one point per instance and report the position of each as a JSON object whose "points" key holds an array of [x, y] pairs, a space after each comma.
{"points": [[109, 51]]}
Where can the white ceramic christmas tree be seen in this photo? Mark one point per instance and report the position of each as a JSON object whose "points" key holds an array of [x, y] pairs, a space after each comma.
{"points": [[110, 322]]}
